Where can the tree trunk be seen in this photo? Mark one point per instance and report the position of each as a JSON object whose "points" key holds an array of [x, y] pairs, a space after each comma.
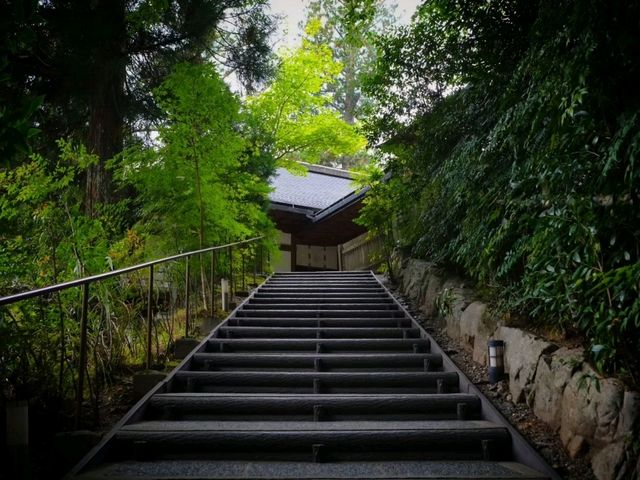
{"points": [[106, 93], [351, 96], [201, 231]]}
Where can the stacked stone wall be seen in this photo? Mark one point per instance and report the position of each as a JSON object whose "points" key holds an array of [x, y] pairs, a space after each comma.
{"points": [[594, 415]]}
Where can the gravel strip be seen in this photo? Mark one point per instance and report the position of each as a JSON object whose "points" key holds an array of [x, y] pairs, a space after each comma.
{"points": [[538, 433]]}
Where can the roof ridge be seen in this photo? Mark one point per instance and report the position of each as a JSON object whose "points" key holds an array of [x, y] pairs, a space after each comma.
{"points": [[325, 170], [339, 204]]}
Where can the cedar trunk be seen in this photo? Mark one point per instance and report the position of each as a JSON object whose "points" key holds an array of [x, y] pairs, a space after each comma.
{"points": [[106, 92]]}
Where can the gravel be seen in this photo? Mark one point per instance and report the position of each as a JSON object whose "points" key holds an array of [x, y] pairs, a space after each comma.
{"points": [[538, 433]]}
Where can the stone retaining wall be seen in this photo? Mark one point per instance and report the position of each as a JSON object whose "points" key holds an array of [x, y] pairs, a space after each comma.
{"points": [[593, 415]]}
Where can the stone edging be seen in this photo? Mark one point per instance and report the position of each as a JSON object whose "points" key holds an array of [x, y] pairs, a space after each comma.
{"points": [[594, 415]]}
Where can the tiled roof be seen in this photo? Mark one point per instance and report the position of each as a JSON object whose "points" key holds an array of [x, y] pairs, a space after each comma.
{"points": [[320, 188]]}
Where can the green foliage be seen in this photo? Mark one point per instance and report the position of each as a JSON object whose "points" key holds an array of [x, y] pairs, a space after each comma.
{"points": [[41, 209], [17, 107], [521, 160], [347, 27], [197, 187], [444, 302], [378, 208], [87, 70], [97, 73], [450, 44], [292, 119], [46, 239]]}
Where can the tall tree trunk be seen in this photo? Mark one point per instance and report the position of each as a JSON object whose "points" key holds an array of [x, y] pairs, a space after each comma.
{"points": [[201, 231], [106, 93], [351, 96]]}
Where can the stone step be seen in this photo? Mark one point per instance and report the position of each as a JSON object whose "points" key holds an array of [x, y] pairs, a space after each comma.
{"points": [[319, 441], [414, 345], [319, 284], [301, 470], [317, 376], [314, 332], [322, 278], [336, 295], [267, 288], [319, 306], [320, 322], [324, 273], [316, 382], [377, 299], [326, 407], [280, 275], [318, 361], [320, 313]]}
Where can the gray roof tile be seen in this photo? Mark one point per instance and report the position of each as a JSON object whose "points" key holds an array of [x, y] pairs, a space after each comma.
{"points": [[315, 190]]}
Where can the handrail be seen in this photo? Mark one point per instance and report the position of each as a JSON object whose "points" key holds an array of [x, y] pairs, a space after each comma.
{"points": [[114, 273], [87, 281]]}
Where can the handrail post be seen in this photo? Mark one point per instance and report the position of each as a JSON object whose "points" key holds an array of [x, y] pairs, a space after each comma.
{"points": [[186, 299], [149, 316], [255, 267], [83, 352], [244, 286], [231, 274], [213, 284]]}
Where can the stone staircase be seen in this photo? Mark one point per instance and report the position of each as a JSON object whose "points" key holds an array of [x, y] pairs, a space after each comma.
{"points": [[315, 376]]}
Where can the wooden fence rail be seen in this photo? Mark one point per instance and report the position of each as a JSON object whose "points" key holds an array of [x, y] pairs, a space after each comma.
{"points": [[361, 253]]}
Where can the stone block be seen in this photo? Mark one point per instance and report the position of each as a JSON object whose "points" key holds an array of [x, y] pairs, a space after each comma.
{"points": [[577, 418], [577, 446], [629, 414], [145, 381], [522, 353], [609, 461], [476, 330], [413, 278], [594, 415], [591, 408], [433, 287], [183, 347], [552, 376], [461, 296], [608, 403], [469, 324]]}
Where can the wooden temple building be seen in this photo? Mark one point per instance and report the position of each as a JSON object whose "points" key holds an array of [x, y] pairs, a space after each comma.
{"points": [[314, 214]]}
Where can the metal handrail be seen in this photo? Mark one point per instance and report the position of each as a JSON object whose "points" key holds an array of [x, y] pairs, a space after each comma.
{"points": [[114, 273], [86, 281]]}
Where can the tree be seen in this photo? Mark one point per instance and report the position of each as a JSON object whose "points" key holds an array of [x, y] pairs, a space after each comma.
{"points": [[521, 131], [197, 183], [449, 45], [292, 118], [89, 72], [197, 186], [18, 107], [348, 27], [45, 239], [96, 62]]}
